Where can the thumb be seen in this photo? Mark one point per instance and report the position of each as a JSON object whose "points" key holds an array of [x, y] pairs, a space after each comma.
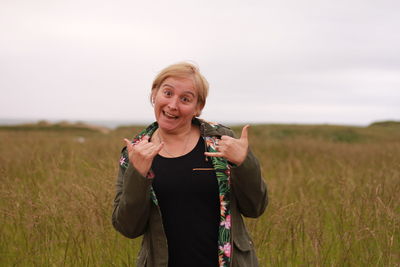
{"points": [[245, 132], [127, 142], [128, 145]]}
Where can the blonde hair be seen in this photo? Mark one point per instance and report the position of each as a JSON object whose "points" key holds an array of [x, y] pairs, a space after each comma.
{"points": [[183, 70]]}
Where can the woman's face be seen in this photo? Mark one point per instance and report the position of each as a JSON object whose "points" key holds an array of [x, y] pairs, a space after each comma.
{"points": [[175, 104]]}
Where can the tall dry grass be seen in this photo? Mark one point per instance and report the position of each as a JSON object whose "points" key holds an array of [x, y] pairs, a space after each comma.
{"points": [[334, 197], [56, 200]]}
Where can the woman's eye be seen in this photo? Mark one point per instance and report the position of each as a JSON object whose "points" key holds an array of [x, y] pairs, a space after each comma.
{"points": [[167, 93], [186, 99]]}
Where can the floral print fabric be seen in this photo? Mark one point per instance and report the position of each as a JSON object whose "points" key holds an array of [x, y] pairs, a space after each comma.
{"points": [[222, 170]]}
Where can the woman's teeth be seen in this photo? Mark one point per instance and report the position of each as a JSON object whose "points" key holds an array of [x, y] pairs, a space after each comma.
{"points": [[170, 115]]}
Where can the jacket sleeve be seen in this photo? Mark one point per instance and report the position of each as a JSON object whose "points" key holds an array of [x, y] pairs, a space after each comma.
{"points": [[132, 202], [248, 186]]}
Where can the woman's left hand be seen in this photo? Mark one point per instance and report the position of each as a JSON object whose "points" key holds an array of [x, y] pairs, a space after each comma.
{"points": [[232, 149]]}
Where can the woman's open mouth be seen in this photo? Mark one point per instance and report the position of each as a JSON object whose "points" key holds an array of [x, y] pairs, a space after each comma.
{"points": [[169, 115]]}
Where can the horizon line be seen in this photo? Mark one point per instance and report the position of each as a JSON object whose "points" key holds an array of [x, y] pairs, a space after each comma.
{"points": [[114, 123]]}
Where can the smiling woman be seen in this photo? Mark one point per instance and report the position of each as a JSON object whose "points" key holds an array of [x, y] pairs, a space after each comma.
{"points": [[185, 183], [175, 104]]}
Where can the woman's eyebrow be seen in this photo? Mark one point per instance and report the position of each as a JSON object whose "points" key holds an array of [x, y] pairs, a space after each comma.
{"points": [[166, 84], [185, 92], [189, 92]]}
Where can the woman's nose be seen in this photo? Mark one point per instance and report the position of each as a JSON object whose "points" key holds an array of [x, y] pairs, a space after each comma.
{"points": [[173, 103]]}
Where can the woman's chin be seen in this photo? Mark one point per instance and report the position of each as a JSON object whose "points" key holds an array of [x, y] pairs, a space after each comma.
{"points": [[171, 125], [167, 125]]}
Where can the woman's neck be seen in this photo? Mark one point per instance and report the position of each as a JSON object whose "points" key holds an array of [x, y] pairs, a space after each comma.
{"points": [[178, 136], [177, 144]]}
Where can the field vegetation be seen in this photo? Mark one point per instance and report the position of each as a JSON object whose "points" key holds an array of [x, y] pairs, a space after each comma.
{"points": [[334, 196]]}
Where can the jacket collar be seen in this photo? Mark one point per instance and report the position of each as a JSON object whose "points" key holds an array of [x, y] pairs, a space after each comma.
{"points": [[206, 128]]}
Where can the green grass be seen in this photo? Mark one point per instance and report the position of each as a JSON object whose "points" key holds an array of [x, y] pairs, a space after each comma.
{"points": [[334, 196]]}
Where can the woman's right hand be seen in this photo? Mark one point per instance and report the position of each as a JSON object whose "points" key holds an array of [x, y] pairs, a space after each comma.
{"points": [[141, 155]]}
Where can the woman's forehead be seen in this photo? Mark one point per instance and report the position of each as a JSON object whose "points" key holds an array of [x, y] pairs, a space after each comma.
{"points": [[186, 84]]}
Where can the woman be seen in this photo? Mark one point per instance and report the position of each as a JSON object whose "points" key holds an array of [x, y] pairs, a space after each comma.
{"points": [[185, 183]]}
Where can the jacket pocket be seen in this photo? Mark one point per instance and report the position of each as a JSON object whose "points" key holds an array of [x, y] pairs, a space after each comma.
{"points": [[242, 243], [243, 252]]}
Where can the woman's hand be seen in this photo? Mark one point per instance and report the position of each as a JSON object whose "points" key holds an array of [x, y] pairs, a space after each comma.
{"points": [[141, 155], [234, 150]]}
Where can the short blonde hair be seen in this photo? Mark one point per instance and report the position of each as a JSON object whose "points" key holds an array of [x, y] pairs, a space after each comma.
{"points": [[183, 70]]}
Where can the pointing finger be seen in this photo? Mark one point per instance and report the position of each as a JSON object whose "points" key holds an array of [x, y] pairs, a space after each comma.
{"points": [[226, 137], [214, 154], [158, 149], [245, 132], [144, 139]]}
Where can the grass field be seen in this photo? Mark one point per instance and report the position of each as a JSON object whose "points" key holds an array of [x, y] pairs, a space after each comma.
{"points": [[334, 196]]}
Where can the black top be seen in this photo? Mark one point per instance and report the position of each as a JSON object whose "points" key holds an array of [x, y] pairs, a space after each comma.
{"points": [[187, 192]]}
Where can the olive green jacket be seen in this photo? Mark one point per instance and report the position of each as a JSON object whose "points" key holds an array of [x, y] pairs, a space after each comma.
{"points": [[135, 213]]}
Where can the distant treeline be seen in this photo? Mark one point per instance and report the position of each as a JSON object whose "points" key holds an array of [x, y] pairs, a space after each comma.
{"points": [[385, 124], [59, 126], [337, 133]]}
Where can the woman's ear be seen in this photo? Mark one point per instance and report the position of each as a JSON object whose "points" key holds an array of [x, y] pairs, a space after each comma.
{"points": [[152, 97], [197, 111]]}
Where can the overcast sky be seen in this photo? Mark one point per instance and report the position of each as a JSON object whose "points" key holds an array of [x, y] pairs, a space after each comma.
{"points": [[285, 61]]}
